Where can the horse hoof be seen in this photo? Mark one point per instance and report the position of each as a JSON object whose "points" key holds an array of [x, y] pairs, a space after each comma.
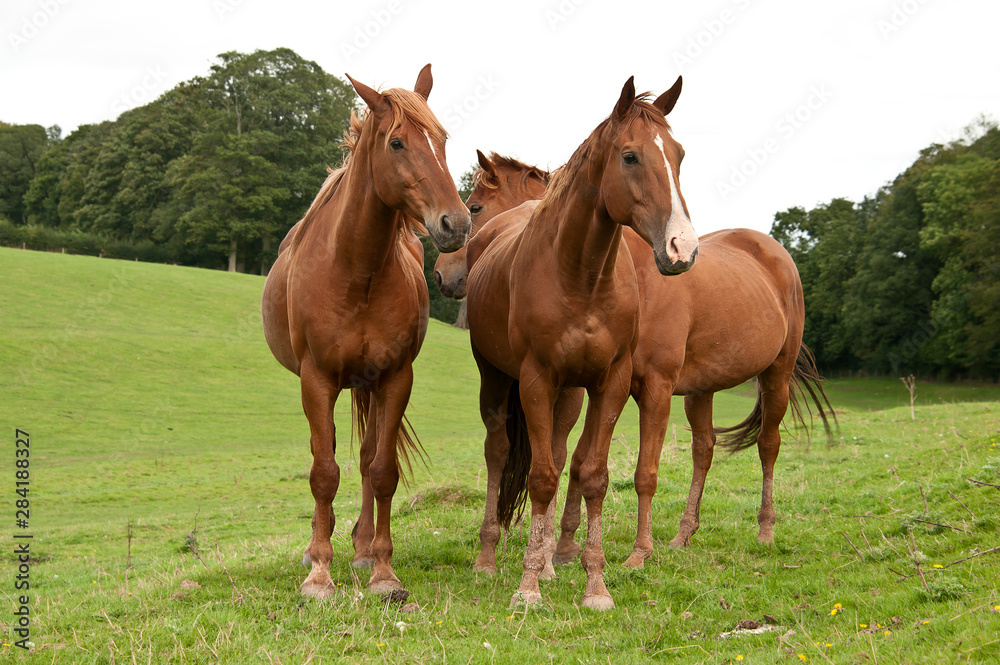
{"points": [[601, 603], [488, 569], [635, 561], [383, 586], [525, 598], [765, 538], [318, 589], [679, 543], [561, 558], [363, 562]]}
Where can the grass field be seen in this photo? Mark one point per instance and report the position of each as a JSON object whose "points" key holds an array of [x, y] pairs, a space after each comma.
{"points": [[169, 506]]}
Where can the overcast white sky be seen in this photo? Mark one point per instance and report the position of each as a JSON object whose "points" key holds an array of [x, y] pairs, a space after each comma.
{"points": [[785, 102]]}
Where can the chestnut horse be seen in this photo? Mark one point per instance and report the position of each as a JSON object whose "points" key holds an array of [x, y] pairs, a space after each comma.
{"points": [[346, 306], [501, 183], [556, 305], [686, 348]]}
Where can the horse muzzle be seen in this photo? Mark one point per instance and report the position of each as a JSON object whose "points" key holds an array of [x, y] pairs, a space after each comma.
{"points": [[450, 230]]}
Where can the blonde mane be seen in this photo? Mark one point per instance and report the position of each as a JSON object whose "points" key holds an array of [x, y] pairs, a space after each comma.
{"points": [[404, 105]]}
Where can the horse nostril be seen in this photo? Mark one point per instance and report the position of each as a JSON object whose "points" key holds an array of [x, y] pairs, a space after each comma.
{"points": [[445, 224], [437, 278]]}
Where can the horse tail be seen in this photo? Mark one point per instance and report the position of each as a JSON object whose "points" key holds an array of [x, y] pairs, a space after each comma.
{"points": [[408, 445], [805, 379], [514, 477]]}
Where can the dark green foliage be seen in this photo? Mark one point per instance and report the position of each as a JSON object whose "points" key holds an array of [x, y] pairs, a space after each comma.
{"points": [[908, 281], [21, 147], [442, 308]]}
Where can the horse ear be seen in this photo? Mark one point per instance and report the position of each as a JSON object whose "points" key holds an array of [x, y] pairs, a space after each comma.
{"points": [[485, 163], [424, 82], [666, 101], [373, 98], [626, 100]]}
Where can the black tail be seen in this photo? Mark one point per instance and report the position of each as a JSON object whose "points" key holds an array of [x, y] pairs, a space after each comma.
{"points": [[805, 379], [407, 443], [514, 477]]}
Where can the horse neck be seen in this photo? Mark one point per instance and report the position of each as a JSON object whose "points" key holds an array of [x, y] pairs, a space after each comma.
{"points": [[584, 238], [367, 232]]}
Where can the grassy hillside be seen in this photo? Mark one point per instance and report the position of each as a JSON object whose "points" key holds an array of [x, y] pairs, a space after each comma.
{"points": [[161, 426]]}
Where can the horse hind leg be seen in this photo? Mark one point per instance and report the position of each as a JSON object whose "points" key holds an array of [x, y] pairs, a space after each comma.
{"points": [[384, 472], [493, 395], [364, 528], [566, 413], [654, 412], [567, 548], [773, 387], [319, 394], [698, 409]]}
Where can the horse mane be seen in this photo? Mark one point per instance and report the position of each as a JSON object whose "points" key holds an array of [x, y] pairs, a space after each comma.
{"points": [[564, 177], [483, 178], [404, 105]]}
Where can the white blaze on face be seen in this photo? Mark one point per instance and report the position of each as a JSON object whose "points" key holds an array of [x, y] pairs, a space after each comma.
{"points": [[676, 207], [434, 150]]}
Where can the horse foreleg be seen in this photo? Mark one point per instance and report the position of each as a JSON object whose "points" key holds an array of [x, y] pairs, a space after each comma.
{"points": [[654, 412], [698, 409], [606, 403], [392, 397], [319, 394], [538, 397]]}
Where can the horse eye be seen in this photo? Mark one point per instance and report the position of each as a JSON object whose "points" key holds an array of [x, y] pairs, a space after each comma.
{"points": [[476, 209], [630, 158], [396, 144]]}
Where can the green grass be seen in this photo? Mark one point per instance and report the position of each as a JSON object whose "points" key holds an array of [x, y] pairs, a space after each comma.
{"points": [[161, 426]]}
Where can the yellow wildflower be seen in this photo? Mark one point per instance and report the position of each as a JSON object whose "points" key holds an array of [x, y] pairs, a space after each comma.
{"points": [[938, 565], [801, 657], [739, 657]]}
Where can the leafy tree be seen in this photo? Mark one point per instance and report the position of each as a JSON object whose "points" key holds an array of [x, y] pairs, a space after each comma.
{"points": [[21, 147]]}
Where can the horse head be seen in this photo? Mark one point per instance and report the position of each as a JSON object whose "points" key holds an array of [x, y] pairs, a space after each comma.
{"points": [[407, 161], [640, 186]]}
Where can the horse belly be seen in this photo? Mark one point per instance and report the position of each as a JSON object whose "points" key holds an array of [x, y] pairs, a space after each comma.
{"points": [[732, 346], [274, 314]]}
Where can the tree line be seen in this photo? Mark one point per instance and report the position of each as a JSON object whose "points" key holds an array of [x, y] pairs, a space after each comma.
{"points": [[908, 280], [211, 174]]}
